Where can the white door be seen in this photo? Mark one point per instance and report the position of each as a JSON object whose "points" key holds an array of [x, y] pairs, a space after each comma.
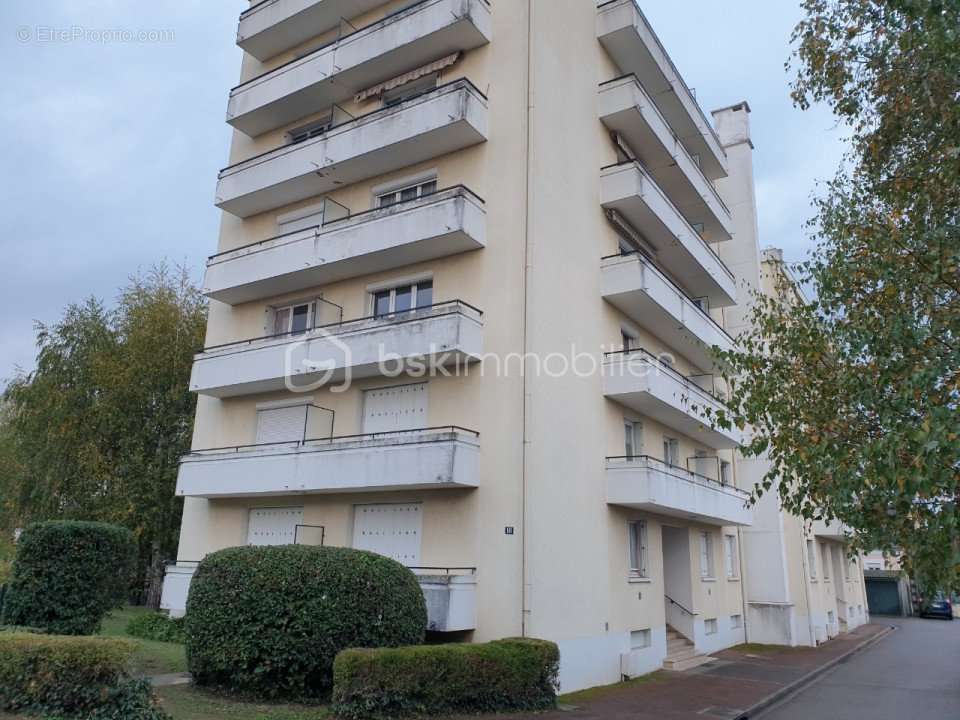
{"points": [[279, 425], [273, 526], [403, 407], [392, 530]]}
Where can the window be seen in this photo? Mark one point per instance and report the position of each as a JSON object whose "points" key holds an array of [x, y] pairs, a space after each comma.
{"points": [[628, 340], [310, 130], [830, 616], [671, 451], [730, 555], [293, 319], [640, 639], [812, 559], [410, 90], [825, 560], [706, 555], [726, 472], [403, 298], [710, 626], [638, 549], [632, 438], [408, 192], [703, 303], [736, 622]]}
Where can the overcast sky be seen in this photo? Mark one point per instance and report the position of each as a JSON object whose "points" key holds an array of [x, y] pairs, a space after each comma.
{"points": [[109, 149]]}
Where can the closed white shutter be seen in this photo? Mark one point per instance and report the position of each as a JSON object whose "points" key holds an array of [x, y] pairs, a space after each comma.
{"points": [[392, 530], [278, 425], [403, 407], [273, 526]]}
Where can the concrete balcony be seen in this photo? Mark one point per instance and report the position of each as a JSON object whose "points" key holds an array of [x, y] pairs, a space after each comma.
{"points": [[625, 108], [400, 42], [639, 381], [450, 595], [629, 189], [445, 223], [452, 117], [831, 530], [428, 459], [645, 483], [447, 334], [270, 27], [627, 37], [648, 297]]}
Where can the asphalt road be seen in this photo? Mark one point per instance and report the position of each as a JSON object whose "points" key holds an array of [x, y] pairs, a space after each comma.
{"points": [[912, 674]]}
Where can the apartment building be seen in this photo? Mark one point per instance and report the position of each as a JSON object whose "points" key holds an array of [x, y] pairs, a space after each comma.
{"points": [[803, 585], [493, 190]]}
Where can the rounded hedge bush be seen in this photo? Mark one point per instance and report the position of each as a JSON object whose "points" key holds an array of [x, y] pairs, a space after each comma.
{"points": [[67, 575], [269, 621]]}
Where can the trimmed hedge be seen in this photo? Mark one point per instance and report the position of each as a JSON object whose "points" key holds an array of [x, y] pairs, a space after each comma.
{"points": [[68, 575], [269, 621], [516, 674], [156, 626], [72, 677]]}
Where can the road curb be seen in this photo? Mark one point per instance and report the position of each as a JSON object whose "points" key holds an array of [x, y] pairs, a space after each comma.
{"points": [[801, 683]]}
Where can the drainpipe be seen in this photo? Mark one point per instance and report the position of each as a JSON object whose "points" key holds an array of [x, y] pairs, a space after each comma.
{"points": [[527, 272]]}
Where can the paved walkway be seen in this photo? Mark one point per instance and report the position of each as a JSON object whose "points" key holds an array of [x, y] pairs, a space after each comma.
{"points": [[725, 689], [914, 673]]}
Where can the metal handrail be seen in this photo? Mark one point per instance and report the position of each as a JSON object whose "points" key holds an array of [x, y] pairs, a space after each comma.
{"points": [[672, 284], [384, 110], [403, 204], [677, 375], [687, 475], [674, 602], [334, 438], [446, 570], [411, 316]]}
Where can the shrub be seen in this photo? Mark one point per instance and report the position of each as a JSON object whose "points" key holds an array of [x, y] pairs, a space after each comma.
{"points": [[505, 675], [68, 575], [156, 626], [21, 629], [72, 677], [268, 621]]}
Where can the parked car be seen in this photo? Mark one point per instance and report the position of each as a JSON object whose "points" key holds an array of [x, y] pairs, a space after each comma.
{"points": [[938, 606]]}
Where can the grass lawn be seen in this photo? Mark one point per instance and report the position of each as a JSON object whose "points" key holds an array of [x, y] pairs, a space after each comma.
{"points": [[185, 702], [150, 658]]}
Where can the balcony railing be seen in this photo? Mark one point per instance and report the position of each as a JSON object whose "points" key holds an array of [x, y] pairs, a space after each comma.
{"points": [[436, 225], [628, 38], [646, 295], [271, 27], [446, 333], [416, 459], [404, 40], [648, 483], [450, 117], [630, 190], [639, 380]]}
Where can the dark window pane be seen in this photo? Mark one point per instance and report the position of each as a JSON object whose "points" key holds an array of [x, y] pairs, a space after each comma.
{"points": [[381, 303], [404, 299], [301, 318], [429, 187], [408, 193], [425, 293], [388, 200]]}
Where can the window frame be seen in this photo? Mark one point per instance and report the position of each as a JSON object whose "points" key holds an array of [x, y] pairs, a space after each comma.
{"points": [[416, 287], [632, 438], [731, 558], [707, 570], [397, 192], [309, 130], [671, 451], [812, 559], [638, 550], [311, 306]]}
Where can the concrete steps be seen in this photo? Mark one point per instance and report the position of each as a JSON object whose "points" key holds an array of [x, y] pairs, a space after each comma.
{"points": [[681, 654]]}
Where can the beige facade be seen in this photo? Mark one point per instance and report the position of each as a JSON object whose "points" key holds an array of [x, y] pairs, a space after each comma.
{"points": [[803, 585], [497, 188]]}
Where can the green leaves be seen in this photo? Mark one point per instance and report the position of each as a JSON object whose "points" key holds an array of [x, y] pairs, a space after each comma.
{"points": [[854, 396]]}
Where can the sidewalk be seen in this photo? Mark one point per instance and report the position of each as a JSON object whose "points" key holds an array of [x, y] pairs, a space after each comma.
{"points": [[738, 681]]}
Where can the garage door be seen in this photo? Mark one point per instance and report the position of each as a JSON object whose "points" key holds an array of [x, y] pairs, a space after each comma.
{"points": [[390, 529], [403, 407], [883, 597], [273, 526]]}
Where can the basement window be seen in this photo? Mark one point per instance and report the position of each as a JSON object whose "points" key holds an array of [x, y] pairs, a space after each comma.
{"points": [[640, 639], [736, 622], [710, 626]]}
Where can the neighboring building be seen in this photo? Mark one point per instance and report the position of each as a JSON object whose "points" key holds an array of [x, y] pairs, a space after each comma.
{"points": [[511, 182], [879, 560], [803, 584]]}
